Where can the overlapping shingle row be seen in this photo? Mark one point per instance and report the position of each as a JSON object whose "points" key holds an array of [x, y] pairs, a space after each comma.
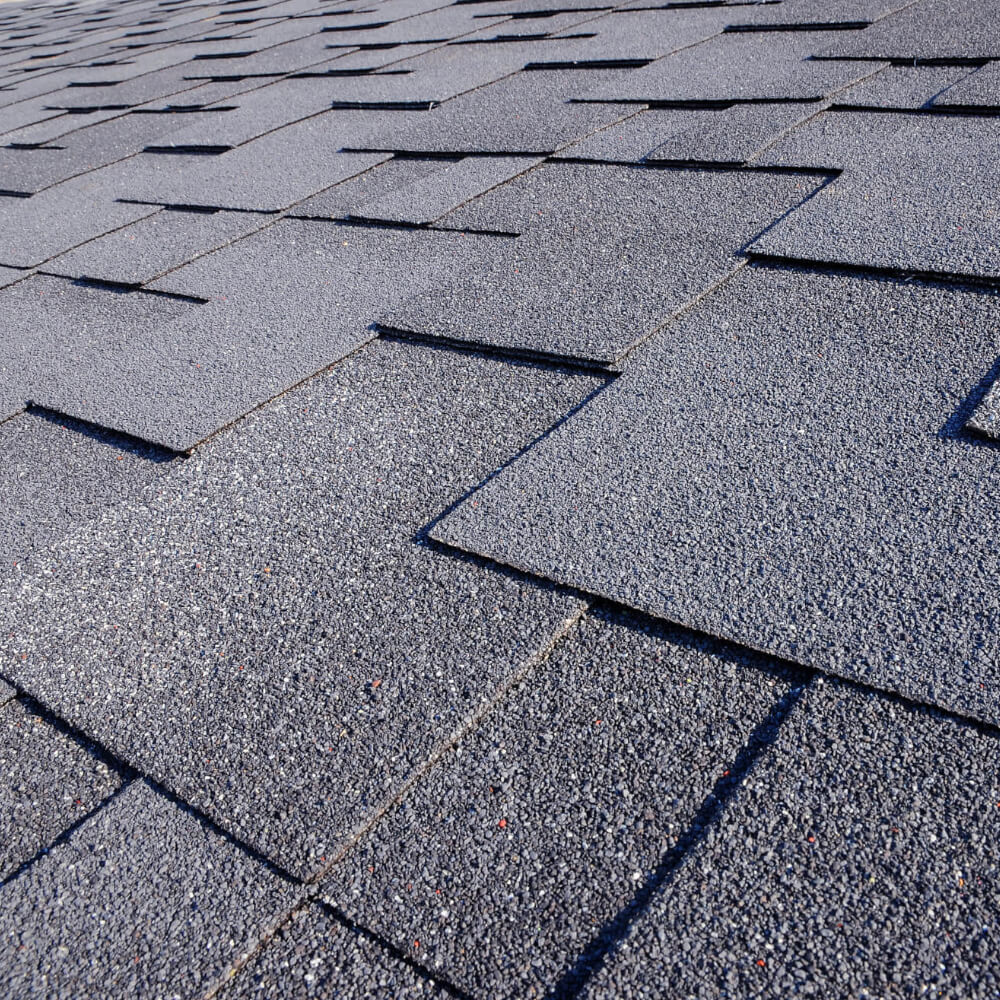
{"points": [[500, 498]]}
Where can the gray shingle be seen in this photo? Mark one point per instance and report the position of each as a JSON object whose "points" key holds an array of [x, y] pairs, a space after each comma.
{"points": [[801, 13], [784, 467], [904, 87], [33, 230], [427, 199], [48, 782], [857, 859], [314, 957], [703, 135], [740, 66], [924, 198], [152, 246], [607, 255], [528, 112], [932, 29], [58, 475], [384, 179], [251, 590], [502, 863], [980, 88], [139, 896], [260, 175], [53, 329]]}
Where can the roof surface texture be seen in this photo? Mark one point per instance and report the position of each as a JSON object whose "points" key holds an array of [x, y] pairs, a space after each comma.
{"points": [[500, 499]]}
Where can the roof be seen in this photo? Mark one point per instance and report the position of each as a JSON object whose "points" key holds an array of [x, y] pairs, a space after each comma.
{"points": [[500, 498]]}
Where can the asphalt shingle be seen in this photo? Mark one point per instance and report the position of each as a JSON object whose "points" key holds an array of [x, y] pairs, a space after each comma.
{"points": [[841, 867], [138, 253], [48, 782], [284, 690], [500, 866], [784, 467], [608, 254], [57, 474], [524, 113], [139, 896], [315, 957], [33, 230], [923, 199], [695, 135], [740, 66], [963, 30]]}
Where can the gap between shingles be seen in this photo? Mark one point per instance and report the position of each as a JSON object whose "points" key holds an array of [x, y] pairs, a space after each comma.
{"points": [[869, 272], [311, 887], [605, 942]]}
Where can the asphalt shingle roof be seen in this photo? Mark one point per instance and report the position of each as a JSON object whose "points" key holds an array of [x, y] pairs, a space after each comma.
{"points": [[499, 499]]}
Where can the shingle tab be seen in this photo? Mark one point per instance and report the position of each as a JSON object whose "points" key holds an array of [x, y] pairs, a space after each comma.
{"points": [[921, 199], [607, 255], [48, 782], [784, 468], [541, 826], [236, 650], [841, 866], [740, 66], [140, 895]]}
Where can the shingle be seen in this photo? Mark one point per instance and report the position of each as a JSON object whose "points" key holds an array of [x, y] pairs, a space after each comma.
{"points": [[427, 79], [703, 135], [784, 467], [904, 87], [801, 13], [260, 175], [58, 475], [740, 66], [126, 91], [255, 114], [48, 782], [315, 957], [922, 199], [933, 29], [986, 417], [152, 246], [52, 329], [526, 113], [499, 867], [427, 199], [28, 171], [32, 230], [252, 592], [607, 255], [980, 88], [384, 179], [636, 34], [16, 116], [440, 25], [139, 896], [857, 859], [283, 304]]}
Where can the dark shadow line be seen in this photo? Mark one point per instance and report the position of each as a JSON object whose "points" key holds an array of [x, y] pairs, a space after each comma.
{"points": [[936, 279], [423, 534], [104, 435], [64, 835], [536, 359], [386, 945], [606, 941]]}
